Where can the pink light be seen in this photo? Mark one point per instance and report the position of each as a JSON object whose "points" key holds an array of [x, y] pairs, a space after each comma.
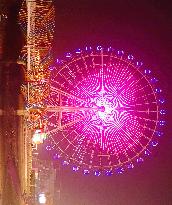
{"points": [[111, 111]]}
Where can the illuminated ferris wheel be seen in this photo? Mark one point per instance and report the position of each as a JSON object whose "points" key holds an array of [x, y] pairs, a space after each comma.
{"points": [[105, 111]]}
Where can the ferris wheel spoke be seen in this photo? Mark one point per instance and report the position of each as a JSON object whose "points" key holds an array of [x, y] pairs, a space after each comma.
{"points": [[68, 145], [143, 111], [143, 104], [131, 85], [128, 135], [147, 128], [54, 109], [58, 91], [145, 96], [144, 118], [62, 127]]}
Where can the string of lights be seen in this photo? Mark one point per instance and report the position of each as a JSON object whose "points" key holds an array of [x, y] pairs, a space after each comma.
{"points": [[37, 20]]}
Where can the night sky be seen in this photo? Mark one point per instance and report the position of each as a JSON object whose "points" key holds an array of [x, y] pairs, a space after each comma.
{"points": [[144, 29]]}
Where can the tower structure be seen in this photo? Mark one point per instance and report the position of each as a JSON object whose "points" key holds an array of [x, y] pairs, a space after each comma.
{"points": [[36, 19]]}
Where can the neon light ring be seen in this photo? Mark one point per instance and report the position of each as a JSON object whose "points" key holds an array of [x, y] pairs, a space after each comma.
{"points": [[105, 111]]}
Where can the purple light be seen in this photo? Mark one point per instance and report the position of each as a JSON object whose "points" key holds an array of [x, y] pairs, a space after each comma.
{"points": [[139, 63], [130, 57], [154, 143], [78, 51], [109, 49], [88, 48], [109, 173], [158, 90], [130, 165], [58, 61], [56, 156], [161, 122], [49, 147], [120, 53], [162, 112], [154, 80], [97, 173], [162, 100], [68, 55], [147, 71], [99, 48], [75, 168], [65, 163], [86, 172], [159, 134], [119, 170], [147, 152], [139, 160]]}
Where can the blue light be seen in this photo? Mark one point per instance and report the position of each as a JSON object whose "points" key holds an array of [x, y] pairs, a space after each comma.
{"points": [[154, 80], [56, 156], [65, 163], [78, 51], [99, 48], [162, 112], [58, 61], [161, 122], [86, 171], [97, 173], [75, 168], [130, 166], [138, 63], [130, 57], [158, 90], [139, 160], [147, 152], [161, 100], [109, 173], [147, 71], [48, 147], [68, 55], [119, 170], [159, 134], [154, 143], [120, 53], [109, 49], [88, 48]]}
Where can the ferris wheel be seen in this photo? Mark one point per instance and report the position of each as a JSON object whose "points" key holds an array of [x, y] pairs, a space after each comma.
{"points": [[105, 111]]}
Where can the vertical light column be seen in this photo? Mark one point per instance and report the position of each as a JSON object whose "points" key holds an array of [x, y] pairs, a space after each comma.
{"points": [[31, 9]]}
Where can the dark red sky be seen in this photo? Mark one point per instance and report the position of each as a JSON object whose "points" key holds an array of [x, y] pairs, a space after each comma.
{"points": [[143, 28]]}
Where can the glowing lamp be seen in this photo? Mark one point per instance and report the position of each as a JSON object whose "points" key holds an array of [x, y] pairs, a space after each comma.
{"points": [[65, 163], [42, 198], [119, 170], [108, 173], [38, 137], [97, 173], [86, 172], [75, 168]]}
